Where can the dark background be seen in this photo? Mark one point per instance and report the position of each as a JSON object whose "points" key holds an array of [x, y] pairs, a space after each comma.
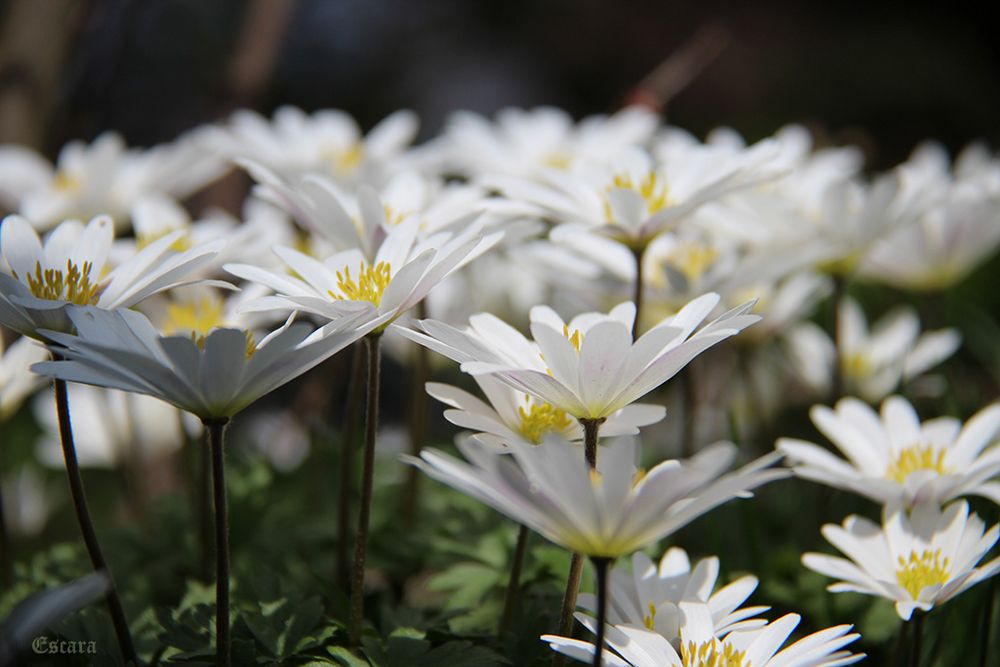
{"points": [[884, 75]]}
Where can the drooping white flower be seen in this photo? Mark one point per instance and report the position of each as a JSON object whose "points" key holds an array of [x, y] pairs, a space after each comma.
{"points": [[551, 489], [72, 268], [896, 458], [212, 376], [650, 594], [590, 367], [875, 362], [633, 646], [917, 560], [512, 415]]}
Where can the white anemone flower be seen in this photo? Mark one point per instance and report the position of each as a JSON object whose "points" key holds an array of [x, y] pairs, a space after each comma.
{"points": [[873, 362], [590, 367], [896, 458], [401, 274], [917, 560], [650, 595], [326, 142], [512, 414], [212, 376], [609, 512], [71, 267], [634, 646]]}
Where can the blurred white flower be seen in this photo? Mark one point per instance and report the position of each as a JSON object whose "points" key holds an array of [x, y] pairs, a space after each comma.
{"points": [[873, 363], [511, 414], [16, 381], [327, 142], [612, 511], [590, 367], [72, 268], [650, 595], [700, 647], [25, 503], [898, 459], [917, 560]]}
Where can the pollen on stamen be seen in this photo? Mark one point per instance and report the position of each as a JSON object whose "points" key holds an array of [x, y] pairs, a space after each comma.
{"points": [[540, 419], [921, 570], [654, 192], [913, 459], [712, 654], [72, 285], [369, 285], [649, 620]]}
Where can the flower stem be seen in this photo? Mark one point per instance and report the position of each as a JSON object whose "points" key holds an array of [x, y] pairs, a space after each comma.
{"points": [[601, 569], [514, 582], [216, 436], [591, 429], [204, 492], [638, 288], [418, 424], [918, 635], [87, 525], [988, 622], [367, 482], [836, 299], [690, 406], [347, 462], [6, 563]]}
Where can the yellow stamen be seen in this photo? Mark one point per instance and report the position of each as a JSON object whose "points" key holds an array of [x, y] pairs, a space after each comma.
{"points": [[856, 365], [557, 160], [348, 160], [914, 458], [65, 182], [73, 285], [392, 217], [369, 286], [576, 338], [197, 319], [654, 192], [650, 619], [712, 653], [692, 259], [541, 418], [920, 570], [180, 245]]}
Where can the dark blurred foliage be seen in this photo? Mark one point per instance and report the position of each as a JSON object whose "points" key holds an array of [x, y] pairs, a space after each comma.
{"points": [[885, 75]]}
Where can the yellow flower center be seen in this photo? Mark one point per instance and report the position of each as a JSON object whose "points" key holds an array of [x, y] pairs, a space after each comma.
{"points": [[919, 570], [348, 160], [541, 418], [712, 654], [856, 365], [369, 285], [914, 458], [197, 319], [557, 160], [692, 259], [73, 285], [576, 338], [180, 245], [64, 182], [392, 217], [653, 191], [649, 620]]}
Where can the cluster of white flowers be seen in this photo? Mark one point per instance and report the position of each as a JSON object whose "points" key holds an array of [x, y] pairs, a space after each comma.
{"points": [[655, 245]]}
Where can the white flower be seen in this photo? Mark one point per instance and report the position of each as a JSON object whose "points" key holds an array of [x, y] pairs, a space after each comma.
{"points": [[402, 273], [110, 428], [327, 142], [105, 177], [649, 595], [896, 458], [609, 512], [25, 503], [72, 268], [875, 362], [917, 561], [633, 197], [700, 647], [590, 367], [16, 381], [514, 415], [526, 142], [212, 377]]}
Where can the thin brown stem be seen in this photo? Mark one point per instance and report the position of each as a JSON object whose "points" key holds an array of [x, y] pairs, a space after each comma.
{"points": [[837, 374], [418, 424], [204, 492], [367, 483], [87, 525], [514, 581], [601, 566], [216, 436], [638, 288], [354, 389], [918, 637]]}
